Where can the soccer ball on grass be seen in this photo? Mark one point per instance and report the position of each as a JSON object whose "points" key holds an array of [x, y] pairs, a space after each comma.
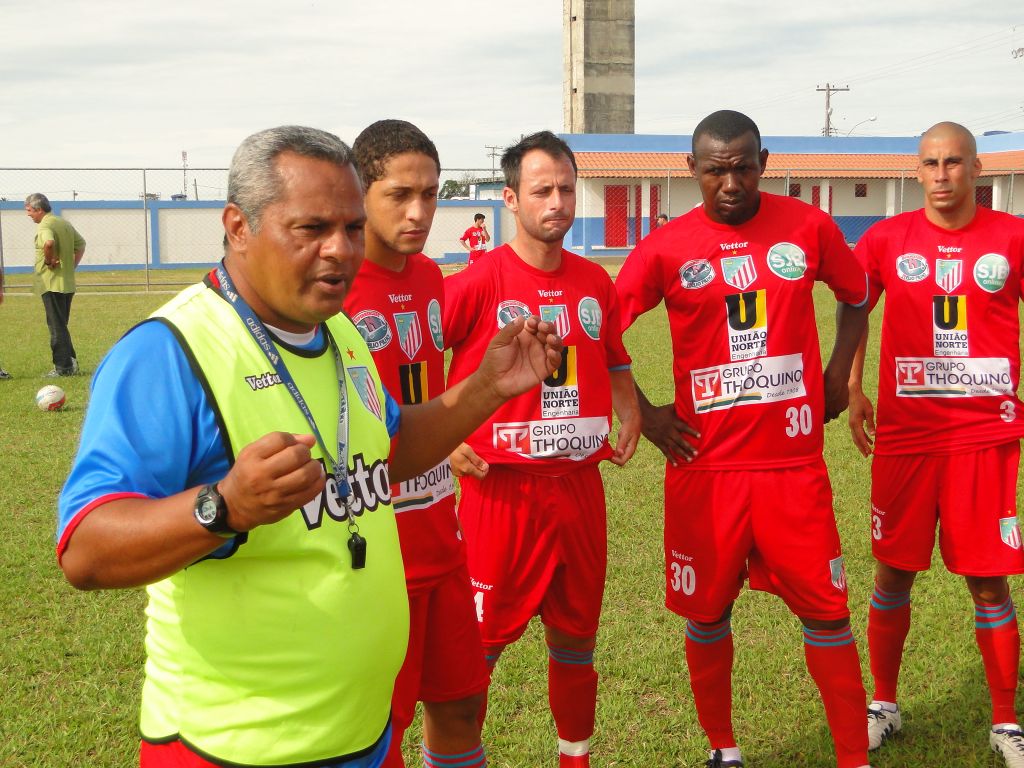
{"points": [[50, 398]]}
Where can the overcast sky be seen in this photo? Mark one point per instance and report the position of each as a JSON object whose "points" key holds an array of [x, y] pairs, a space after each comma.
{"points": [[103, 83]]}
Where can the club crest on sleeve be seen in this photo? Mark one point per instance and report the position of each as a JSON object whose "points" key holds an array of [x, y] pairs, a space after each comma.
{"points": [[557, 314], [434, 323], [366, 386], [738, 271], [911, 267], [590, 315], [991, 272], [1009, 532], [696, 273], [410, 336], [948, 274], [373, 328], [509, 310]]}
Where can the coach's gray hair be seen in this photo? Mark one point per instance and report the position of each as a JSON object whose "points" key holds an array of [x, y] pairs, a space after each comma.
{"points": [[38, 201], [253, 181]]}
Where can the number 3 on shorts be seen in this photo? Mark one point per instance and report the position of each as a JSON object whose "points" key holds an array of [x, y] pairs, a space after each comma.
{"points": [[1009, 410], [684, 579]]}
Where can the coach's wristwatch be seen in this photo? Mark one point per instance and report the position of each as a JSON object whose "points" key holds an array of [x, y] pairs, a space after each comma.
{"points": [[211, 512]]}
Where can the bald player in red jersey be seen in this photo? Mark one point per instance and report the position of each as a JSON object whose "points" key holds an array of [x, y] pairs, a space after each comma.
{"points": [[532, 506], [746, 489], [947, 445], [396, 302]]}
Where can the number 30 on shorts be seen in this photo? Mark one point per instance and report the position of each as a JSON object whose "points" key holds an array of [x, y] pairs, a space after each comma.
{"points": [[684, 578], [801, 421]]}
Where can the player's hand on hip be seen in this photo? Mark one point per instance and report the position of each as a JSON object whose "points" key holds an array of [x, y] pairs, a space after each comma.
{"points": [[466, 463], [521, 356], [862, 422], [669, 433], [272, 477]]}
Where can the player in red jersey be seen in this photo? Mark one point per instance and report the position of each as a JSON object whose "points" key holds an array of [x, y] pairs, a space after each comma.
{"points": [[476, 238], [532, 505], [949, 421], [396, 303], [746, 490]]}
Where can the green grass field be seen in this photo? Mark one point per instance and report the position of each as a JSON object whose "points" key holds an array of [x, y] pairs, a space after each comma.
{"points": [[71, 662]]}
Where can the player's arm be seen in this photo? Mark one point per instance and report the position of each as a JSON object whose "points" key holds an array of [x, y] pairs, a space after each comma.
{"points": [[465, 241], [624, 401], [519, 357], [861, 414], [485, 234], [851, 327]]}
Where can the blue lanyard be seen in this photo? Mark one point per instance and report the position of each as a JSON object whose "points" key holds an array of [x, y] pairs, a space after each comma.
{"points": [[262, 338]]}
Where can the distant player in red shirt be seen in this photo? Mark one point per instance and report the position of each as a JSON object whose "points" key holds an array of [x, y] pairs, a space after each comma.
{"points": [[396, 303], [476, 238], [746, 490], [949, 421], [532, 505]]}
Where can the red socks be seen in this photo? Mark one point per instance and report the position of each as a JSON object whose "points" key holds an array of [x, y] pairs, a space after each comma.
{"points": [[995, 628], [888, 625], [709, 653], [832, 661]]}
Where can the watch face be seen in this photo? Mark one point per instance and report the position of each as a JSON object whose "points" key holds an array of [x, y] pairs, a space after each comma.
{"points": [[207, 511]]}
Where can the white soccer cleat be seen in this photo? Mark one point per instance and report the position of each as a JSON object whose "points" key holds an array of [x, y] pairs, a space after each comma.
{"points": [[1008, 742], [883, 724]]}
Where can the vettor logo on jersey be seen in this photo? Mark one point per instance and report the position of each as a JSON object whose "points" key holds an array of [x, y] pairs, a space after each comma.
{"points": [[410, 336], [787, 260], [696, 273], [590, 315], [1009, 532], [509, 310], [366, 386], [557, 314], [738, 271], [912, 267], [434, 323], [754, 382], [373, 328], [560, 392], [948, 274], [747, 323], [991, 272], [837, 570], [949, 326], [574, 439], [942, 377], [371, 487]]}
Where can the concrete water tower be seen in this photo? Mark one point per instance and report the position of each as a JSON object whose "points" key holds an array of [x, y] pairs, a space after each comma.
{"points": [[599, 66]]}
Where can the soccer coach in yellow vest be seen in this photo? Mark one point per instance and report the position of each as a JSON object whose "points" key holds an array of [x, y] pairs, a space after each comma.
{"points": [[234, 459]]}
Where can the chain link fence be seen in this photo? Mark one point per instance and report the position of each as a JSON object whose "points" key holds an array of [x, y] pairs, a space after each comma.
{"points": [[149, 222]]}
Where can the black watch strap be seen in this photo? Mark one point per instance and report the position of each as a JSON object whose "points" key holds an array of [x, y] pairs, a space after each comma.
{"points": [[211, 512]]}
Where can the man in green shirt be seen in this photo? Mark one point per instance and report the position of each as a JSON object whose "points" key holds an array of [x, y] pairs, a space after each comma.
{"points": [[59, 249]]}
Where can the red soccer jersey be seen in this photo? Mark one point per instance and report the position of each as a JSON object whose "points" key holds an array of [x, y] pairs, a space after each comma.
{"points": [[399, 316], [950, 357], [563, 423], [741, 314]]}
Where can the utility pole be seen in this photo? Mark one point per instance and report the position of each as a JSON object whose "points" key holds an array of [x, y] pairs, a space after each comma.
{"points": [[829, 89], [493, 154], [184, 173]]}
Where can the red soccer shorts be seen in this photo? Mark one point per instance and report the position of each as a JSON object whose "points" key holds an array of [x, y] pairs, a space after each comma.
{"points": [[445, 659], [535, 545], [776, 525], [972, 496]]}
